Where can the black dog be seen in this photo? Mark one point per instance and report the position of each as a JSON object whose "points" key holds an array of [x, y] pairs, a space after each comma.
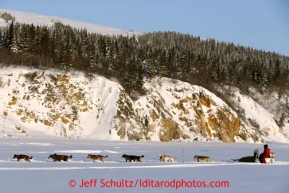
{"points": [[19, 157], [57, 157], [131, 158]]}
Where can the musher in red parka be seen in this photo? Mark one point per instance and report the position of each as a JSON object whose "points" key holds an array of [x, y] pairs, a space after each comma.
{"points": [[265, 154]]}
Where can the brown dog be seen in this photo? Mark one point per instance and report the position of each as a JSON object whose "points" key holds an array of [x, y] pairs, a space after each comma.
{"points": [[19, 157], [97, 157], [202, 158], [58, 158], [131, 158]]}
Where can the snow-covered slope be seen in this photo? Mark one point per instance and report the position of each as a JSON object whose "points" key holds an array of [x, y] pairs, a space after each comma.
{"points": [[36, 19], [67, 105], [73, 105]]}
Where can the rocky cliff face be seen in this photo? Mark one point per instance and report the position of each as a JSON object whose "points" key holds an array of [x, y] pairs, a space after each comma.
{"points": [[176, 110], [75, 105]]}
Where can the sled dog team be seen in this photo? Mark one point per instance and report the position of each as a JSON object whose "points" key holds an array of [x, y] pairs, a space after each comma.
{"points": [[265, 157], [130, 158]]}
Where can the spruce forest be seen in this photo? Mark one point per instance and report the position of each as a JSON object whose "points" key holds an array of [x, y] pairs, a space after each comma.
{"points": [[205, 62]]}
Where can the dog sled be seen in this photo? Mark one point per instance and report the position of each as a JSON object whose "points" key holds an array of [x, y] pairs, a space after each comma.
{"points": [[252, 159], [271, 159]]}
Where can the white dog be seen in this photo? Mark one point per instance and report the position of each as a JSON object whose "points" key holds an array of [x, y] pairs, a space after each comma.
{"points": [[166, 158]]}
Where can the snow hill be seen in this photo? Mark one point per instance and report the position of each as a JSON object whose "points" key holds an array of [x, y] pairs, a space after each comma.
{"points": [[73, 105], [41, 20]]}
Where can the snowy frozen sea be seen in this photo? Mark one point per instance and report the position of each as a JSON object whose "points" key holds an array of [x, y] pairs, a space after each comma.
{"points": [[80, 174]]}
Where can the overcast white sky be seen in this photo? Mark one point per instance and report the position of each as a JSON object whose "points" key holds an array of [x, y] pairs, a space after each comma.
{"points": [[261, 24]]}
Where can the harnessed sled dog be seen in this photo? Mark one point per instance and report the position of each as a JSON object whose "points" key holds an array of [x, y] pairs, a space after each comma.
{"points": [[21, 156], [166, 158], [97, 157], [59, 158], [200, 158], [131, 158]]}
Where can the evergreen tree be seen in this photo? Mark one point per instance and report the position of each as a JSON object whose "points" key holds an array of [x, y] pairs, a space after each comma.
{"points": [[162, 64], [24, 45], [9, 36], [32, 39], [45, 42], [38, 38], [14, 41], [281, 122], [132, 75], [263, 82], [91, 58]]}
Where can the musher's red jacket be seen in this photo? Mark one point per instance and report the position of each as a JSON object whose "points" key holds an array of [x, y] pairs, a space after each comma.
{"points": [[266, 154]]}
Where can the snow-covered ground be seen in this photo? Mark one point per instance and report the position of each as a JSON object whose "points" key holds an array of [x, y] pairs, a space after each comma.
{"points": [[44, 175]]}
